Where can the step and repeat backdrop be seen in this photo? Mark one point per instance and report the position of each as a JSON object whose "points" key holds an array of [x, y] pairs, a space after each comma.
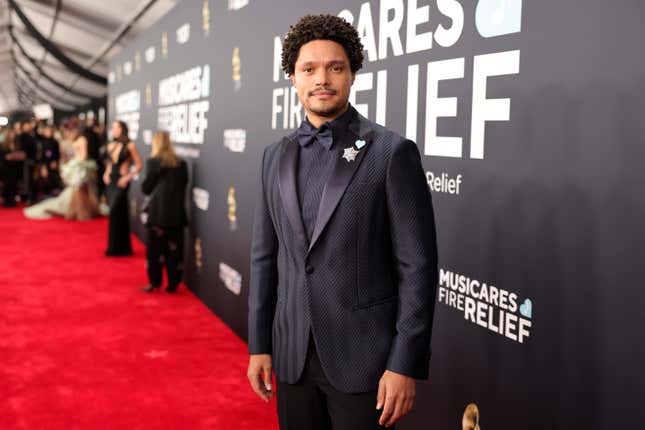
{"points": [[528, 117]]}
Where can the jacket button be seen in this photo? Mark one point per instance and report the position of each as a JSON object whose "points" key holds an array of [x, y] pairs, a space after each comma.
{"points": [[309, 270]]}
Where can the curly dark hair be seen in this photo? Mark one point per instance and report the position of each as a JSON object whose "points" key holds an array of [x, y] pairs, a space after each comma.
{"points": [[321, 27]]}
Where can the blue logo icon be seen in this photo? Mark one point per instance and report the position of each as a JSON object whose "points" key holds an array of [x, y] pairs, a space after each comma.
{"points": [[359, 143], [526, 308], [498, 17]]}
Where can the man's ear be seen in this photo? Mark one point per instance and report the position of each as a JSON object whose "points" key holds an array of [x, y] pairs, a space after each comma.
{"points": [[353, 77], [293, 80]]}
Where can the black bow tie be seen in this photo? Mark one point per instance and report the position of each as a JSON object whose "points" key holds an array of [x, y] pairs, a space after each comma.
{"points": [[307, 134]]}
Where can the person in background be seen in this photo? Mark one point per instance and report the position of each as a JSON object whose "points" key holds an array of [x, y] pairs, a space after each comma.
{"points": [[13, 158], [78, 200], [45, 184], [66, 141], [47, 181], [93, 142], [28, 144], [50, 147], [123, 164], [3, 135], [165, 184], [96, 139]]}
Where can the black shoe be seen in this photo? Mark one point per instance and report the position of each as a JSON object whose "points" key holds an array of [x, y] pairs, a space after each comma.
{"points": [[171, 288], [150, 288]]}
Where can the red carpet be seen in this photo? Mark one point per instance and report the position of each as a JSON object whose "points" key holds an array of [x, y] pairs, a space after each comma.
{"points": [[81, 347]]}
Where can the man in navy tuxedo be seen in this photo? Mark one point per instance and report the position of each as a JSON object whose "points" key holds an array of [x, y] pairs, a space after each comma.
{"points": [[344, 256]]}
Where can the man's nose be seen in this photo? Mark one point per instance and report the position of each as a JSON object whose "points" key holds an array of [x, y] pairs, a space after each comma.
{"points": [[322, 77]]}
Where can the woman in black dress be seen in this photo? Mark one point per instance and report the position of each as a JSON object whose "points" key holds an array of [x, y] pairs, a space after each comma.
{"points": [[123, 164]]}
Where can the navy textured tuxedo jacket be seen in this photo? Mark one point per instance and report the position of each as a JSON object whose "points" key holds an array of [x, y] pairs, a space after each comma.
{"points": [[365, 284]]}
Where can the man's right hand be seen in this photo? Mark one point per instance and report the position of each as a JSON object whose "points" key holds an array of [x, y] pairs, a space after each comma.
{"points": [[259, 374]]}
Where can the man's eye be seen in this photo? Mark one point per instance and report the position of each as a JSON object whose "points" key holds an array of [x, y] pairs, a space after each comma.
{"points": [[337, 68], [307, 69]]}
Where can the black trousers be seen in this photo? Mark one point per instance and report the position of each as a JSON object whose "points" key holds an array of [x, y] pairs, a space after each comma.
{"points": [[165, 248], [119, 243], [30, 180], [313, 404], [13, 172]]}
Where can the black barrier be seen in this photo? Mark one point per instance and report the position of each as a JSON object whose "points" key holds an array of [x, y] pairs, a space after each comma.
{"points": [[58, 98], [53, 49], [528, 119], [45, 74], [30, 84]]}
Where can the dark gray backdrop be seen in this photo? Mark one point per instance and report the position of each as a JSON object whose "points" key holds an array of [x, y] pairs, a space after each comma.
{"points": [[552, 213]]}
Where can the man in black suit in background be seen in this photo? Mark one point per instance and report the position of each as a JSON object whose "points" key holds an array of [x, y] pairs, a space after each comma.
{"points": [[96, 151], [344, 258], [27, 142]]}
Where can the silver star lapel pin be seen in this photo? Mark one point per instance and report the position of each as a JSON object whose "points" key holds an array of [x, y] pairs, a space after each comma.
{"points": [[350, 154]]}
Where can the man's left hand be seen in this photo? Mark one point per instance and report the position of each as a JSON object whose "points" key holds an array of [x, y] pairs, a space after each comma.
{"points": [[396, 396]]}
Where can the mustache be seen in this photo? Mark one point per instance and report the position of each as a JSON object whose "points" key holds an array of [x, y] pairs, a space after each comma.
{"points": [[322, 90]]}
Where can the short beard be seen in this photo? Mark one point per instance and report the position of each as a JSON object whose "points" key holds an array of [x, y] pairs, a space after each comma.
{"points": [[330, 111]]}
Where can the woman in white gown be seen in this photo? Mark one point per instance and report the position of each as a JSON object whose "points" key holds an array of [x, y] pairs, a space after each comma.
{"points": [[78, 200]]}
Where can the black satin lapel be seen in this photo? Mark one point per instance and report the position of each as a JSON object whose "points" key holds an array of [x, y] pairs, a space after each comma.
{"points": [[288, 191], [338, 181]]}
